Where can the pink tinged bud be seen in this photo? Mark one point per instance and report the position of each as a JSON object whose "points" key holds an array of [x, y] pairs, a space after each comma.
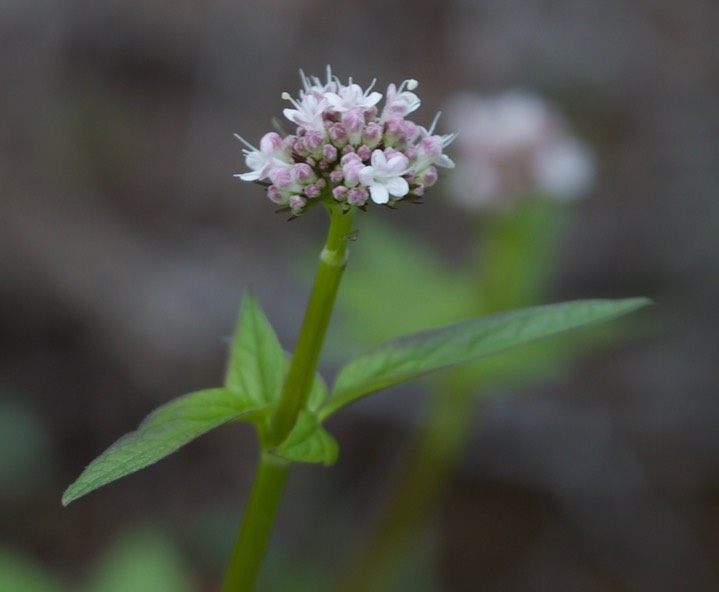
{"points": [[351, 166], [276, 196], [417, 190], [336, 176], [429, 151], [271, 142], [338, 135], [364, 152], [288, 144], [329, 153], [348, 150], [340, 193], [353, 121], [312, 191], [314, 141], [428, 177], [283, 178], [304, 173], [296, 202], [394, 132], [321, 183], [300, 147], [372, 134], [411, 130], [411, 152], [357, 196]]}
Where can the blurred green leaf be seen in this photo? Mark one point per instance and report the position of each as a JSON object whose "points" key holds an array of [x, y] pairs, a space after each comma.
{"points": [[395, 284], [161, 433], [143, 561], [19, 573], [26, 454], [414, 355]]}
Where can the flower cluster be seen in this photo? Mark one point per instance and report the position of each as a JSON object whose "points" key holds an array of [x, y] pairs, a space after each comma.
{"points": [[346, 149], [514, 146]]}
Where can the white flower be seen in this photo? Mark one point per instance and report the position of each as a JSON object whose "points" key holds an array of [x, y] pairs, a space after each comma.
{"points": [[270, 155], [307, 112], [514, 146], [566, 170], [384, 176], [400, 102], [352, 97]]}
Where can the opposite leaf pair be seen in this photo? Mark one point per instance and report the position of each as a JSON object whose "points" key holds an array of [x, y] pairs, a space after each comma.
{"points": [[258, 366]]}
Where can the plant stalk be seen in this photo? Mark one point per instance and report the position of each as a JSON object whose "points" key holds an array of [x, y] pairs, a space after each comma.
{"points": [[254, 534], [314, 326], [273, 471]]}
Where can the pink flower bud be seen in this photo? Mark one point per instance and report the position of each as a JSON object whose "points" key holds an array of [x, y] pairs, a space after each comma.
{"points": [[354, 123], [336, 176], [338, 135], [340, 193], [276, 195], [351, 166], [329, 153], [296, 202], [304, 173], [372, 134], [364, 152], [357, 196], [312, 191], [314, 141]]}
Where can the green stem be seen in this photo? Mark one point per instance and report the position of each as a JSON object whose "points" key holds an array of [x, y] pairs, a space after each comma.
{"points": [[272, 472], [431, 460], [314, 326], [254, 535]]}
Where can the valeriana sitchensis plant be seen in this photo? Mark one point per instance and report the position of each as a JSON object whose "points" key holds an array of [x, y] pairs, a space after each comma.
{"points": [[346, 154]]}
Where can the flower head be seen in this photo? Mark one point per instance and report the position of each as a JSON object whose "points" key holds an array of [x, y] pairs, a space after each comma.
{"points": [[346, 149], [514, 146]]}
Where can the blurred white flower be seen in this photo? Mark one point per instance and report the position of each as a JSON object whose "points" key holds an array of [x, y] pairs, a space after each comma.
{"points": [[513, 146]]}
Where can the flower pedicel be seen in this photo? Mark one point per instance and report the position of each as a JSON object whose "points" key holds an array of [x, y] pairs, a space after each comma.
{"points": [[346, 149]]}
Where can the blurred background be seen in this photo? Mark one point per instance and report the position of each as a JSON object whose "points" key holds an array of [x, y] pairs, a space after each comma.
{"points": [[126, 244]]}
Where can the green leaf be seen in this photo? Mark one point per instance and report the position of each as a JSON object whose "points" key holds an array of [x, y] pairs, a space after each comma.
{"points": [[257, 363], [21, 573], [160, 434], [309, 442], [414, 355], [142, 560]]}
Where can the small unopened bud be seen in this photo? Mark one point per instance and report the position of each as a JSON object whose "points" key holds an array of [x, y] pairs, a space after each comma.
{"points": [[338, 135], [312, 191], [372, 134], [329, 153], [314, 142], [276, 196], [357, 196], [364, 152], [304, 173], [337, 176], [296, 202], [340, 193]]}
